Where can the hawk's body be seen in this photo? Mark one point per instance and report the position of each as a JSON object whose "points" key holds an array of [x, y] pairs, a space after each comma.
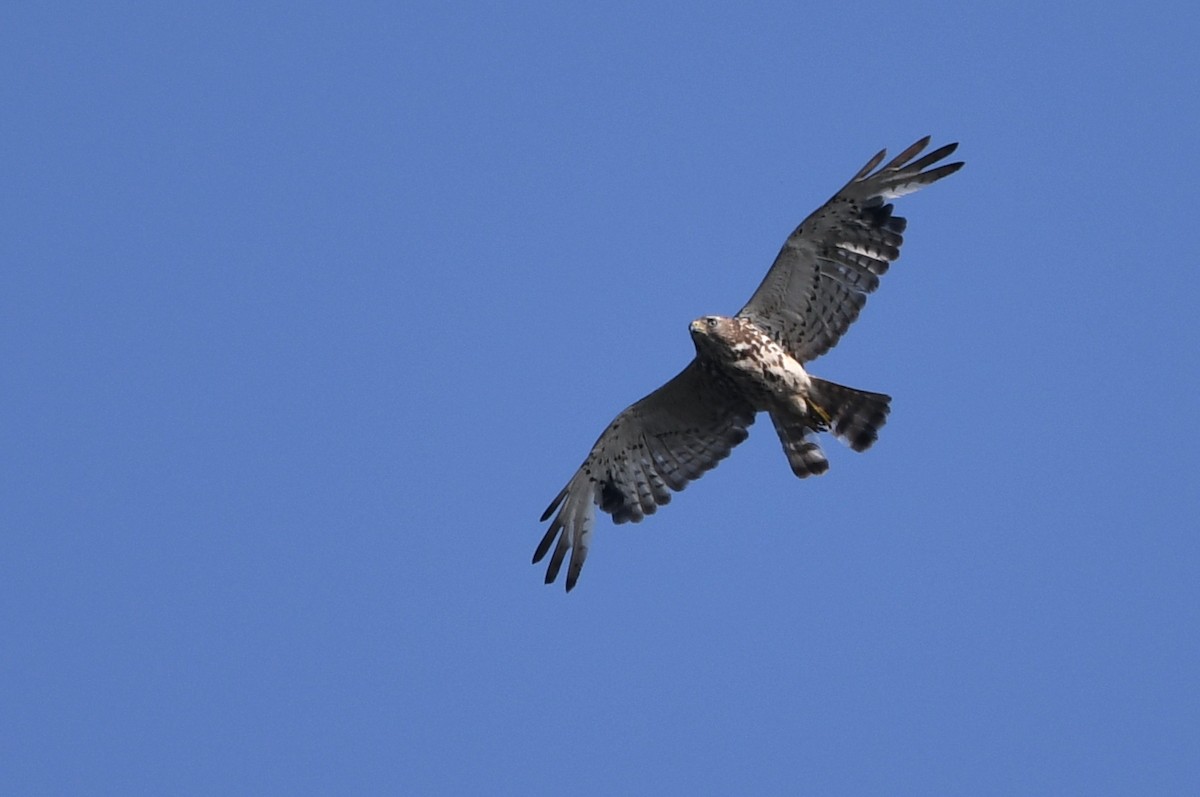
{"points": [[758, 366], [751, 363], [773, 381]]}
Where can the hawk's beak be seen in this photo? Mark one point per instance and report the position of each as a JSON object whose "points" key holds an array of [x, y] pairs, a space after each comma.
{"points": [[694, 326]]}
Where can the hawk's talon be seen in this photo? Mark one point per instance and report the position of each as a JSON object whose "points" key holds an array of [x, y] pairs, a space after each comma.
{"points": [[821, 413]]}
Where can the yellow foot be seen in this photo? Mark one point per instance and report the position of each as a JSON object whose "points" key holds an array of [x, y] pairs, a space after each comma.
{"points": [[820, 413]]}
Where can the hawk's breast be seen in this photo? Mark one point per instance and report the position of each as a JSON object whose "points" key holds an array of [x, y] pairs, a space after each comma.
{"points": [[761, 368]]}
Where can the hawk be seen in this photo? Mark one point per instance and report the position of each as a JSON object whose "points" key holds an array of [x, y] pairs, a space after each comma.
{"points": [[754, 362]]}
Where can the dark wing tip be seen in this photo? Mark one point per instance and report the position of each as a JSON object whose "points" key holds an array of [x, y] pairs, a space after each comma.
{"points": [[555, 563], [871, 164], [904, 157], [901, 161], [934, 175], [930, 159], [946, 149], [558, 499], [544, 545]]}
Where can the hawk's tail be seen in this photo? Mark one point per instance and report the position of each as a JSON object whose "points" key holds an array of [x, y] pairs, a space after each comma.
{"points": [[803, 453], [854, 416]]}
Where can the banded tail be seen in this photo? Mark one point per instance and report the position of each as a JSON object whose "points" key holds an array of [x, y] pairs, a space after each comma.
{"points": [[803, 453], [854, 416]]}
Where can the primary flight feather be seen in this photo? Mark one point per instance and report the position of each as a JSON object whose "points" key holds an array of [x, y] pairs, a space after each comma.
{"points": [[753, 362]]}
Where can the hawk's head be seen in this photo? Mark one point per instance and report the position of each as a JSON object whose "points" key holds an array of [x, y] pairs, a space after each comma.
{"points": [[720, 337]]}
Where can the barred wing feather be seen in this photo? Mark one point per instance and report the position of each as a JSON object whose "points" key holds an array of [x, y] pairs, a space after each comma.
{"points": [[819, 282], [657, 445]]}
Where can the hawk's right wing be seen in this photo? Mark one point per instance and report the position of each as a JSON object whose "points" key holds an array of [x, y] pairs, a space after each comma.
{"points": [[820, 279], [659, 444]]}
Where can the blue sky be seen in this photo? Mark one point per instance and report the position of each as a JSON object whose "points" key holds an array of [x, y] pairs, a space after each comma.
{"points": [[308, 311]]}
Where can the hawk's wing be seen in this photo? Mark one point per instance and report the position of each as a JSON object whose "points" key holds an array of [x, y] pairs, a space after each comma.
{"points": [[659, 444], [822, 276]]}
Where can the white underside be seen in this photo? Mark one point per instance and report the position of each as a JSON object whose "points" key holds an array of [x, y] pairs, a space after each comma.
{"points": [[786, 380]]}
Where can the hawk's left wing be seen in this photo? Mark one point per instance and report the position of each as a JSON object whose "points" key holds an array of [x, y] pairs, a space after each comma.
{"points": [[659, 444], [820, 279]]}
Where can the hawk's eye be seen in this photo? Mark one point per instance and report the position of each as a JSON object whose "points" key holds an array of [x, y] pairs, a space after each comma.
{"points": [[712, 323]]}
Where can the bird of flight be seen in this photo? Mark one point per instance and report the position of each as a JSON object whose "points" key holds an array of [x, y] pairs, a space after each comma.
{"points": [[753, 362]]}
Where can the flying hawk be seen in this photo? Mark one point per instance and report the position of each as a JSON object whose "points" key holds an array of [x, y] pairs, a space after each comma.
{"points": [[752, 363]]}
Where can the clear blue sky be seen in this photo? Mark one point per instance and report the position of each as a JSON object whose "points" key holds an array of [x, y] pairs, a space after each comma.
{"points": [[309, 310]]}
